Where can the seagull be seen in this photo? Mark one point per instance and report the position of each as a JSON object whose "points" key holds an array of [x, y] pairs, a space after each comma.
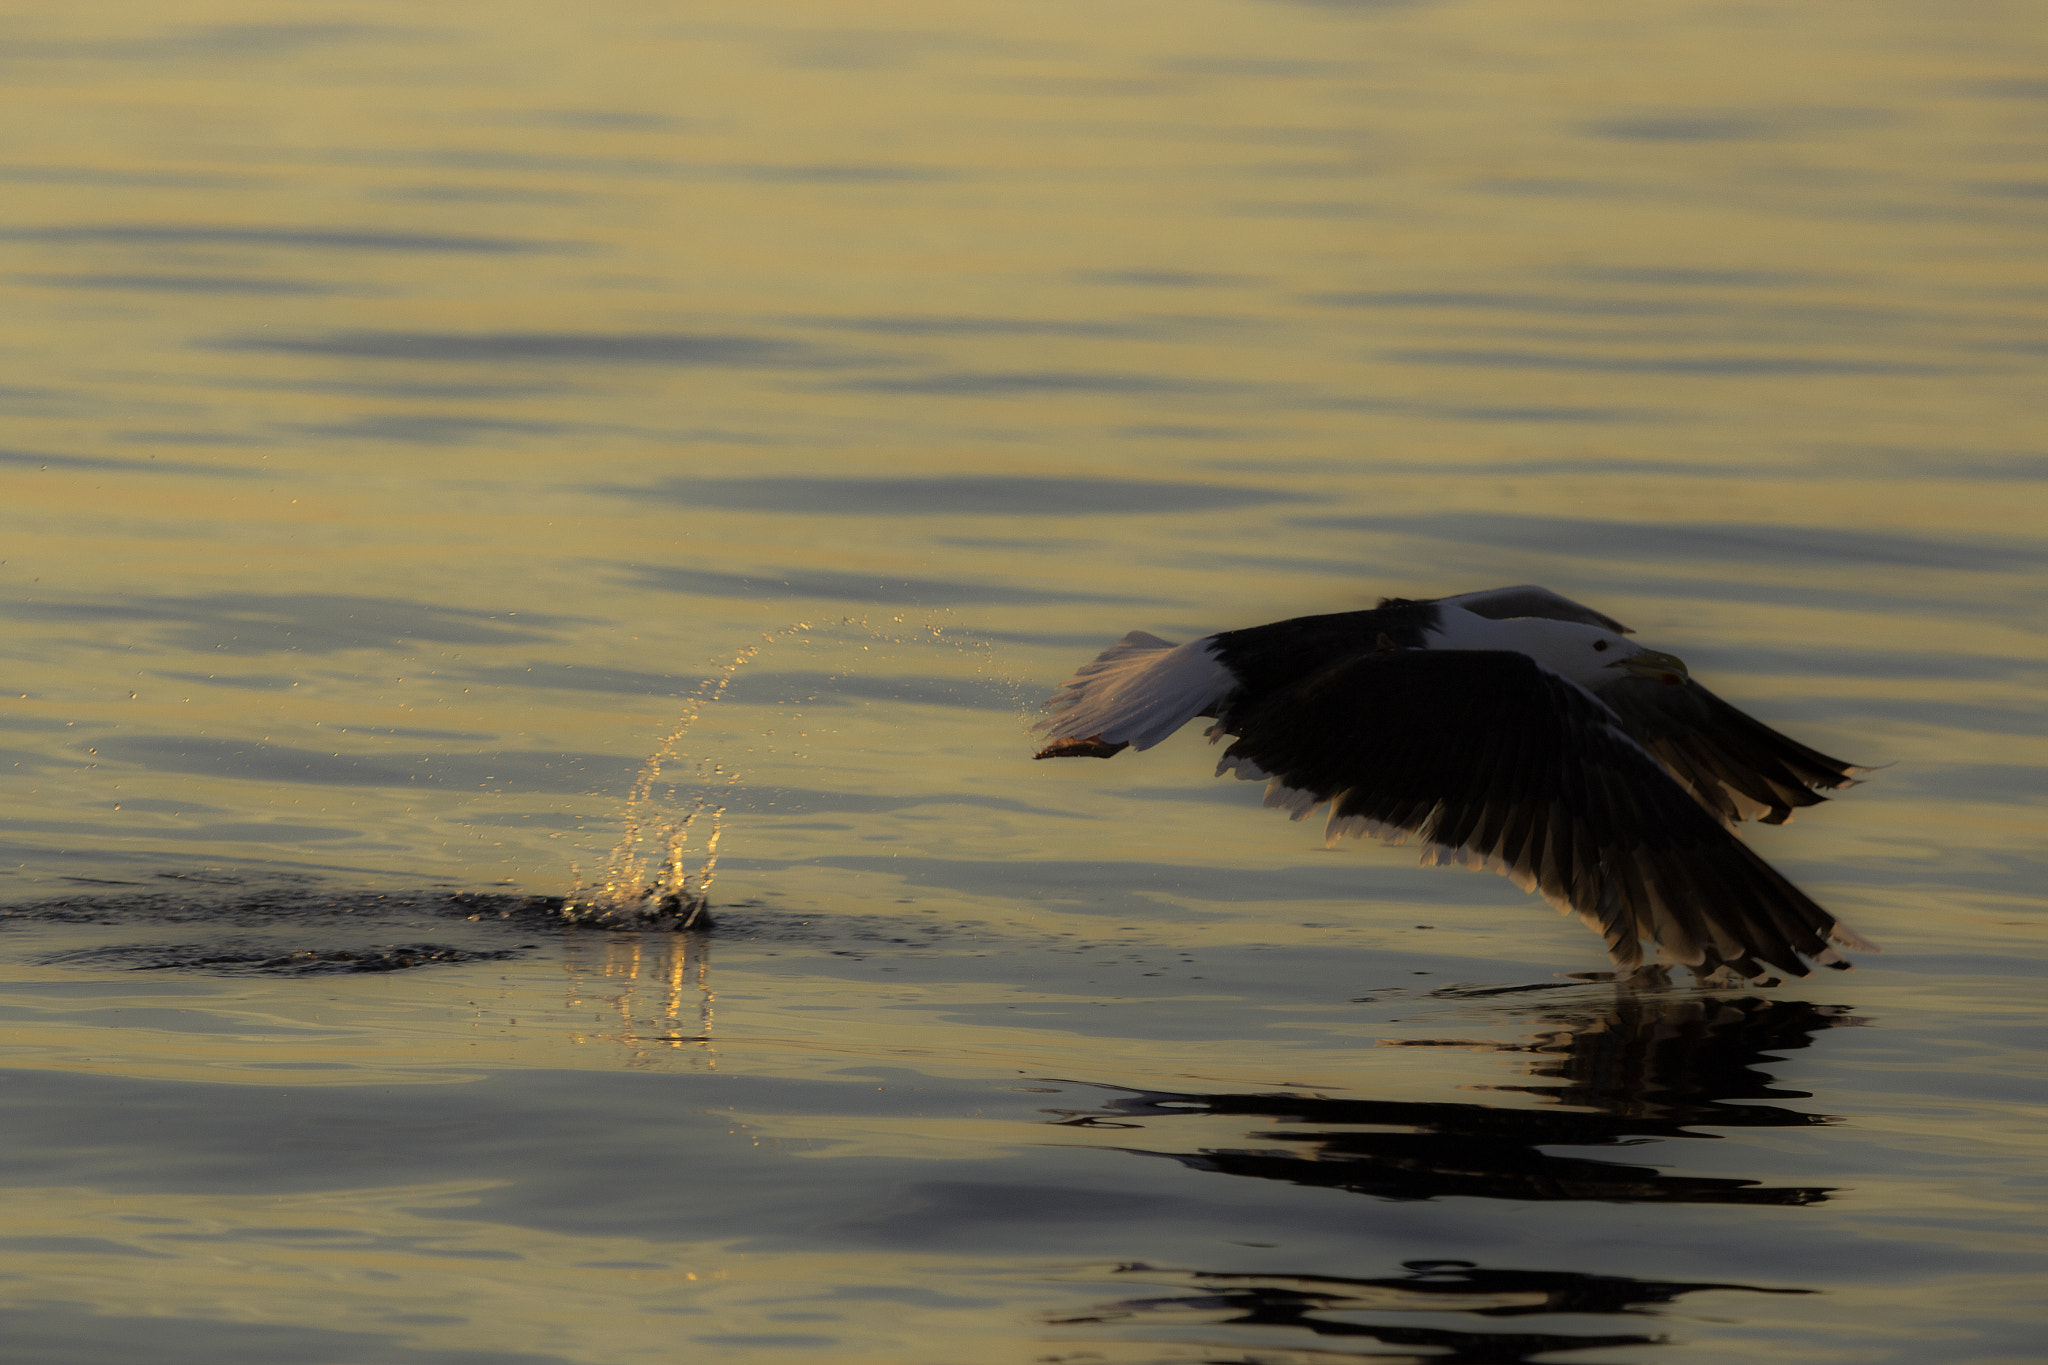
{"points": [[1512, 730]]}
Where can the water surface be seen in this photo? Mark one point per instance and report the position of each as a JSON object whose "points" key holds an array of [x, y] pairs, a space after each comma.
{"points": [[409, 409]]}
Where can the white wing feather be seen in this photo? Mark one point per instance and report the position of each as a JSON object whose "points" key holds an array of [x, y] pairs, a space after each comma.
{"points": [[1139, 691]]}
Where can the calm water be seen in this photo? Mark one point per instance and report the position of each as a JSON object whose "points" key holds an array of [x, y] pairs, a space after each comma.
{"points": [[409, 406]]}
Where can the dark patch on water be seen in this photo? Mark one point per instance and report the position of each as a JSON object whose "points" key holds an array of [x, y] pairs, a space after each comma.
{"points": [[1647, 1067], [395, 957], [478, 194], [1693, 277], [312, 239], [1238, 1299], [97, 175], [1688, 128], [284, 925], [22, 760], [685, 349], [1551, 414], [37, 725], [71, 1332], [958, 495], [183, 284], [1707, 365], [481, 159], [1515, 303], [1035, 383], [167, 437], [437, 429], [917, 326], [395, 388], [268, 898], [207, 41], [1738, 542], [1957, 463], [101, 464], [824, 173], [265, 919], [1463, 990]]}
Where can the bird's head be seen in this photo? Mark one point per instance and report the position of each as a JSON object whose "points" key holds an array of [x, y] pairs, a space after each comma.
{"points": [[1655, 665], [1593, 657]]}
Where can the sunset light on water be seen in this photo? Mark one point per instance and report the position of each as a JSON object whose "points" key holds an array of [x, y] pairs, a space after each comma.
{"points": [[479, 477]]}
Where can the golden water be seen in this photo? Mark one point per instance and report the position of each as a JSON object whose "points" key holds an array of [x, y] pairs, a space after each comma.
{"points": [[412, 410]]}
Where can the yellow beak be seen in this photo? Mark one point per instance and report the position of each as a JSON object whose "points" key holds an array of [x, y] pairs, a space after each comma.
{"points": [[1655, 664]]}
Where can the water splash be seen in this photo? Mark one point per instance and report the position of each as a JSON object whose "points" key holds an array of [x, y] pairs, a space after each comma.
{"points": [[654, 877], [649, 881]]}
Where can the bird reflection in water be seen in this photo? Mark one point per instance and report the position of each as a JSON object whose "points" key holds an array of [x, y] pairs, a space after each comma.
{"points": [[1308, 1303], [649, 992], [1645, 1067], [1648, 1067]]}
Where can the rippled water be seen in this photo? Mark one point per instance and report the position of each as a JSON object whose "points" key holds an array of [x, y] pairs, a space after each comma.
{"points": [[408, 408]]}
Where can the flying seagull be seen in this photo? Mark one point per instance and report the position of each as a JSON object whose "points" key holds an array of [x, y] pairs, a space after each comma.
{"points": [[1513, 730]]}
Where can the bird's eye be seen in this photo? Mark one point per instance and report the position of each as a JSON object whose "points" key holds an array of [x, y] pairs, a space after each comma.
{"points": [[1599, 645]]}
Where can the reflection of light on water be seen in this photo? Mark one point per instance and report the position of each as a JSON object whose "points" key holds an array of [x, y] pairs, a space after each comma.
{"points": [[648, 984]]}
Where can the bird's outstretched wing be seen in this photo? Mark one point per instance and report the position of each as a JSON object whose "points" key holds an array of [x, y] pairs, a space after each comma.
{"points": [[1494, 762], [1738, 767]]}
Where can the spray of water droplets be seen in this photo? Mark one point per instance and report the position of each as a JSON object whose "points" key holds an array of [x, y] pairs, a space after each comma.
{"points": [[656, 877], [653, 878]]}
